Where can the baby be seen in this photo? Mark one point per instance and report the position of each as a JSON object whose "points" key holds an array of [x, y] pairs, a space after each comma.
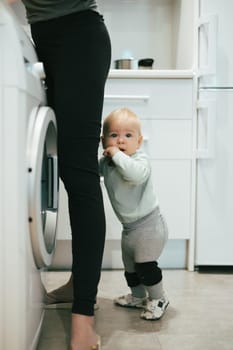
{"points": [[128, 180]]}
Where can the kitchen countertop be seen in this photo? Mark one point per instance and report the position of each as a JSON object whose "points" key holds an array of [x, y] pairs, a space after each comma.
{"points": [[152, 73]]}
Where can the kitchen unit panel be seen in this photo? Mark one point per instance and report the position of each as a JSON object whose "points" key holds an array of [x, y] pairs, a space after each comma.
{"points": [[167, 139], [151, 98], [63, 221], [167, 129], [113, 225], [165, 107], [172, 179]]}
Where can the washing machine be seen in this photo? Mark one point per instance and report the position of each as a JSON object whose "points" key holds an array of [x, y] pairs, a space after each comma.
{"points": [[28, 186]]}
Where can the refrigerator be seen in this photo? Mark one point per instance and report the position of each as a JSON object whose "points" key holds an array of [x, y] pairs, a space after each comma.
{"points": [[214, 136]]}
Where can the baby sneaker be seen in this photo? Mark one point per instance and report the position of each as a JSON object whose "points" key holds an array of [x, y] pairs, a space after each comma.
{"points": [[130, 301], [155, 308]]}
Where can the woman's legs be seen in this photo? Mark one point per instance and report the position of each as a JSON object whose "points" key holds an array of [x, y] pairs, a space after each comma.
{"points": [[82, 335], [76, 53]]}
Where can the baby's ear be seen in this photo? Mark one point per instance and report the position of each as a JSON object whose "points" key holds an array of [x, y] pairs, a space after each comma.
{"points": [[140, 139]]}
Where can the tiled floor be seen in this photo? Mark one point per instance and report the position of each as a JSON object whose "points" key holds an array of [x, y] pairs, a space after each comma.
{"points": [[199, 317]]}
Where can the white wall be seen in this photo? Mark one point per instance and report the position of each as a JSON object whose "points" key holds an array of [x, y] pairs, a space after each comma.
{"points": [[160, 29]]}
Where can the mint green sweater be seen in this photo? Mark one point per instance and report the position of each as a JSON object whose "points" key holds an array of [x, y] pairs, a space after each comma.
{"points": [[129, 183]]}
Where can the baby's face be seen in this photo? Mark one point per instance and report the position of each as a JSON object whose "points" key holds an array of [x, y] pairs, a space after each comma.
{"points": [[123, 134]]}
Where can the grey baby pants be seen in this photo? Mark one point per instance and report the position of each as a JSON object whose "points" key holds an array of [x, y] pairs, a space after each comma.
{"points": [[143, 240]]}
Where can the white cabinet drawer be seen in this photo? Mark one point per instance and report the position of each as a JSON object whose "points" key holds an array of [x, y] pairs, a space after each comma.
{"points": [[150, 98], [63, 223], [113, 225], [172, 181], [165, 107], [167, 139]]}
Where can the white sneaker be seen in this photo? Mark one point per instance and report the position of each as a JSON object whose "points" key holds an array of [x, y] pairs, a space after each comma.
{"points": [[155, 308], [130, 301]]}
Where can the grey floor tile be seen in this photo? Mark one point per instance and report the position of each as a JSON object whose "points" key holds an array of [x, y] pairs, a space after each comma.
{"points": [[55, 330], [122, 340], [55, 344], [195, 342], [199, 315]]}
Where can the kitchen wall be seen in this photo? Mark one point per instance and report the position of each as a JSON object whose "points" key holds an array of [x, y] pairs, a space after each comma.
{"points": [[159, 29]]}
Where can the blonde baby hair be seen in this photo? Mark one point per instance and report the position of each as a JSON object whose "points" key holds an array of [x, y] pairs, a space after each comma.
{"points": [[121, 113]]}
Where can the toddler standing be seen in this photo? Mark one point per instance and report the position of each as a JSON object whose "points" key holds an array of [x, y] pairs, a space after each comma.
{"points": [[128, 180]]}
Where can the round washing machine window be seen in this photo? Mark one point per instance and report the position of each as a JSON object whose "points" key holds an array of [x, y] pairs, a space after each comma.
{"points": [[43, 184]]}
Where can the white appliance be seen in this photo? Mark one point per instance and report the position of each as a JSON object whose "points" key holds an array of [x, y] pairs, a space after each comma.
{"points": [[214, 216], [28, 187]]}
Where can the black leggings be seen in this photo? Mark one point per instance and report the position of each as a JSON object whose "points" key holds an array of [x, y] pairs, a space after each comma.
{"points": [[76, 53]]}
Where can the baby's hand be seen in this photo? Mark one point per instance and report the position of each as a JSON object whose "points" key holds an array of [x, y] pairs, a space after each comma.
{"points": [[110, 151]]}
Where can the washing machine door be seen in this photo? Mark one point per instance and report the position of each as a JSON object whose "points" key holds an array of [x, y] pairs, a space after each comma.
{"points": [[43, 184]]}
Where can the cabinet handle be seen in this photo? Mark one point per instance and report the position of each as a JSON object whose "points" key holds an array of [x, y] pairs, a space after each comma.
{"points": [[209, 22], [209, 150], [127, 97]]}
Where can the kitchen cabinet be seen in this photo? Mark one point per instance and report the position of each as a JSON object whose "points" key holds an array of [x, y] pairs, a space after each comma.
{"points": [[163, 98], [153, 97], [165, 108]]}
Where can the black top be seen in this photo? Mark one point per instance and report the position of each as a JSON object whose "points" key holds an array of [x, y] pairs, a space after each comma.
{"points": [[42, 10]]}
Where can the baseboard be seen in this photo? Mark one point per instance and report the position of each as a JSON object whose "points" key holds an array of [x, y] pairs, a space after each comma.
{"points": [[225, 269], [173, 256]]}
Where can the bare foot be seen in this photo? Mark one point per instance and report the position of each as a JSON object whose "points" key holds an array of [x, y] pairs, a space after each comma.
{"points": [[83, 336]]}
